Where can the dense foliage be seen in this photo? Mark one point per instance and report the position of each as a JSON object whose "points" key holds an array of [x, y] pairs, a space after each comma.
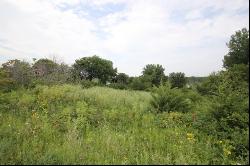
{"points": [[94, 67], [154, 74], [166, 99], [238, 49], [177, 80]]}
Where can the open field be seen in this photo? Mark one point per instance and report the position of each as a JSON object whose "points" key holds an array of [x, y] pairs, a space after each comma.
{"points": [[66, 124]]}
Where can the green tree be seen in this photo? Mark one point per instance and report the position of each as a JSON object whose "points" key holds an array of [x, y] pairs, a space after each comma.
{"points": [[210, 85], [6, 82], [121, 78], [94, 67], [229, 93], [154, 73], [231, 108], [120, 81], [238, 49], [48, 72], [177, 80], [17, 71]]}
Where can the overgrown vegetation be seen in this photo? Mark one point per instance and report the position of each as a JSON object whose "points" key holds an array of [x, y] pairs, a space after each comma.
{"points": [[51, 113]]}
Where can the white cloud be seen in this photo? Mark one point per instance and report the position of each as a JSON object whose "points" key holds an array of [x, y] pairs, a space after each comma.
{"points": [[176, 34], [46, 30]]}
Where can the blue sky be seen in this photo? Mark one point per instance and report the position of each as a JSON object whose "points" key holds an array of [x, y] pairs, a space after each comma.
{"points": [[182, 35]]}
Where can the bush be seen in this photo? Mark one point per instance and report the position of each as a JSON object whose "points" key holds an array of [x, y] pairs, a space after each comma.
{"points": [[118, 86], [141, 83], [229, 114], [166, 99], [210, 85]]}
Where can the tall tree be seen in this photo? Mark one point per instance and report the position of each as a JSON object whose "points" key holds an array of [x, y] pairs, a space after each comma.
{"points": [[155, 73], [17, 71], [94, 67], [238, 49]]}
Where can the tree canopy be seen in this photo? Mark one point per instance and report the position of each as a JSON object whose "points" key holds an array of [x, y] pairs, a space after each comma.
{"points": [[17, 71], [238, 49], [155, 73], [121, 78], [95, 67], [177, 80]]}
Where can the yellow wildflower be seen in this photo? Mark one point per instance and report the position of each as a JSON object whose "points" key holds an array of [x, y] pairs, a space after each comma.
{"points": [[190, 136], [227, 152]]}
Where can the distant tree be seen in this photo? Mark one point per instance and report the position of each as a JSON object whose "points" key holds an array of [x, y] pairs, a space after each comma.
{"points": [[6, 82], [238, 49], [121, 78], [61, 74], [130, 79], [141, 83], [94, 67], [195, 80], [210, 85], [155, 73], [18, 71], [44, 67], [177, 80], [119, 81]]}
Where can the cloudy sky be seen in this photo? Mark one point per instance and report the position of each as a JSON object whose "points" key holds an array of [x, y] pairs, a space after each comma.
{"points": [[182, 35]]}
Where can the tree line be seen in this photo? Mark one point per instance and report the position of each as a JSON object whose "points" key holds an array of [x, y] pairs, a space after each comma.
{"points": [[91, 71], [88, 71]]}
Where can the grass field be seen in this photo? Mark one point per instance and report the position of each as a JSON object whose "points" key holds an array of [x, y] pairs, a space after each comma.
{"points": [[66, 124]]}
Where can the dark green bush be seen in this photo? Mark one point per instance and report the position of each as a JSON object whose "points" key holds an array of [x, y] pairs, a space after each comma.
{"points": [[210, 85], [141, 83], [228, 118], [166, 99]]}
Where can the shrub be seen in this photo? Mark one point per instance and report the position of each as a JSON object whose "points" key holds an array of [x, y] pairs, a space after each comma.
{"points": [[141, 83], [166, 99], [229, 114], [118, 86], [210, 85]]}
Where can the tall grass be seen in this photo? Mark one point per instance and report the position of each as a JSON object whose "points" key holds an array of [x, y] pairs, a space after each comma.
{"points": [[66, 124]]}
